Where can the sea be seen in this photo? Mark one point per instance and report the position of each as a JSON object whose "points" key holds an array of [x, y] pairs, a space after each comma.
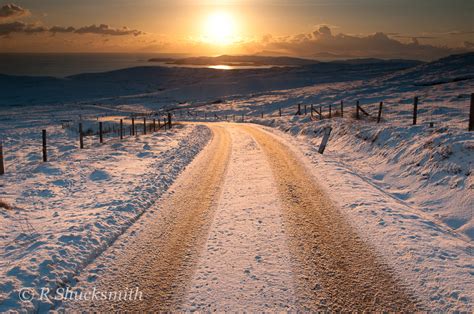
{"points": [[67, 64]]}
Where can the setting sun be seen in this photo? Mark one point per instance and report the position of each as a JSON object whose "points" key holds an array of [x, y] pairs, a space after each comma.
{"points": [[220, 28]]}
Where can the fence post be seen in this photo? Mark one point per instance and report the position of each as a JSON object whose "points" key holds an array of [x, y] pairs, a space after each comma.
{"points": [[299, 110], [312, 110], [159, 124], [342, 108], [164, 123], [324, 142], [279, 111], [169, 120], [121, 129], [471, 114], [262, 114], [45, 153], [415, 109], [154, 125], [81, 137], [380, 112], [330, 111], [2, 167], [357, 110], [305, 112], [101, 137], [320, 112], [144, 126], [133, 126]]}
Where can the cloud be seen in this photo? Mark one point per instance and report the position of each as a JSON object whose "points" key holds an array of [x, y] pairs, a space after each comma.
{"points": [[62, 29], [107, 30], [102, 29], [323, 42], [21, 27], [11, 12]]}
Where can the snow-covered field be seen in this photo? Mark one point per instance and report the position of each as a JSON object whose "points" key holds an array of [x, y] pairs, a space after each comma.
{"points": [[68, 210], [407, 189]]}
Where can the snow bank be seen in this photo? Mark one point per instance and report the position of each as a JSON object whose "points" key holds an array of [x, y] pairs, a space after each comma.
{"points": [[69, 210]]}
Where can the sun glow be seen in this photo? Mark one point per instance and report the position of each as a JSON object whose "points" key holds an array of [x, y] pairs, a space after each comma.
{"points": [[220, 28]]}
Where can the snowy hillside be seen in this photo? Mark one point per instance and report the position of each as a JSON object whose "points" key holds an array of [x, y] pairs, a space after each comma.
{"points": [[181, 84]]}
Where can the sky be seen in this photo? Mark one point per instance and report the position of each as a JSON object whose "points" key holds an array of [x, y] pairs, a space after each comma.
{"points": [[417, 29]]}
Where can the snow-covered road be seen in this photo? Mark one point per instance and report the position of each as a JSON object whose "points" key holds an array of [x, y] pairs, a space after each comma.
{"points": [[245, 227], [245, 265]]}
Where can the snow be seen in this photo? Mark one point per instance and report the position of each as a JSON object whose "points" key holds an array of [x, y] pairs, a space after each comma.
{"points": [[408, 190], [70, 209], [434, 260], [429, 168], [246, 263]]}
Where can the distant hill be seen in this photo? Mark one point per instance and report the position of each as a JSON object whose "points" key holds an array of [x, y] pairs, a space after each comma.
{"points": [[238, 61], [197, 84]]}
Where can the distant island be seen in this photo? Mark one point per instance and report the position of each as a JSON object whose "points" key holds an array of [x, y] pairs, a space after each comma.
{"points": [[250, 61]]}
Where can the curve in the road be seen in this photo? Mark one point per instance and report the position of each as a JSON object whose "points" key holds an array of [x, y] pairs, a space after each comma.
{"points": [[330, 266]]}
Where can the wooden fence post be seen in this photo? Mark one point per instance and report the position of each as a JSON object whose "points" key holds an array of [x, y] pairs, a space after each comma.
{"points": [[164, 123], [330, 111], [243, 117], [379, 116], [415, 109], [101, 137], [279, 111], [298, 113], [471, 114], [312, 110], [45, 153], [154, 125], [2, 166], [324, 142], [342, 108], [305, 112], [320, 112], [169, 120], [144, 126], [81, 137], [121, 129], [357, 110], [133, 126], [159, 124], [262, 114]]}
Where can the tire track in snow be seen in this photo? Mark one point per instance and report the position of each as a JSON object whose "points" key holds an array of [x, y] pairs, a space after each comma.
{"points": [[335, 269], [160, 258]]}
